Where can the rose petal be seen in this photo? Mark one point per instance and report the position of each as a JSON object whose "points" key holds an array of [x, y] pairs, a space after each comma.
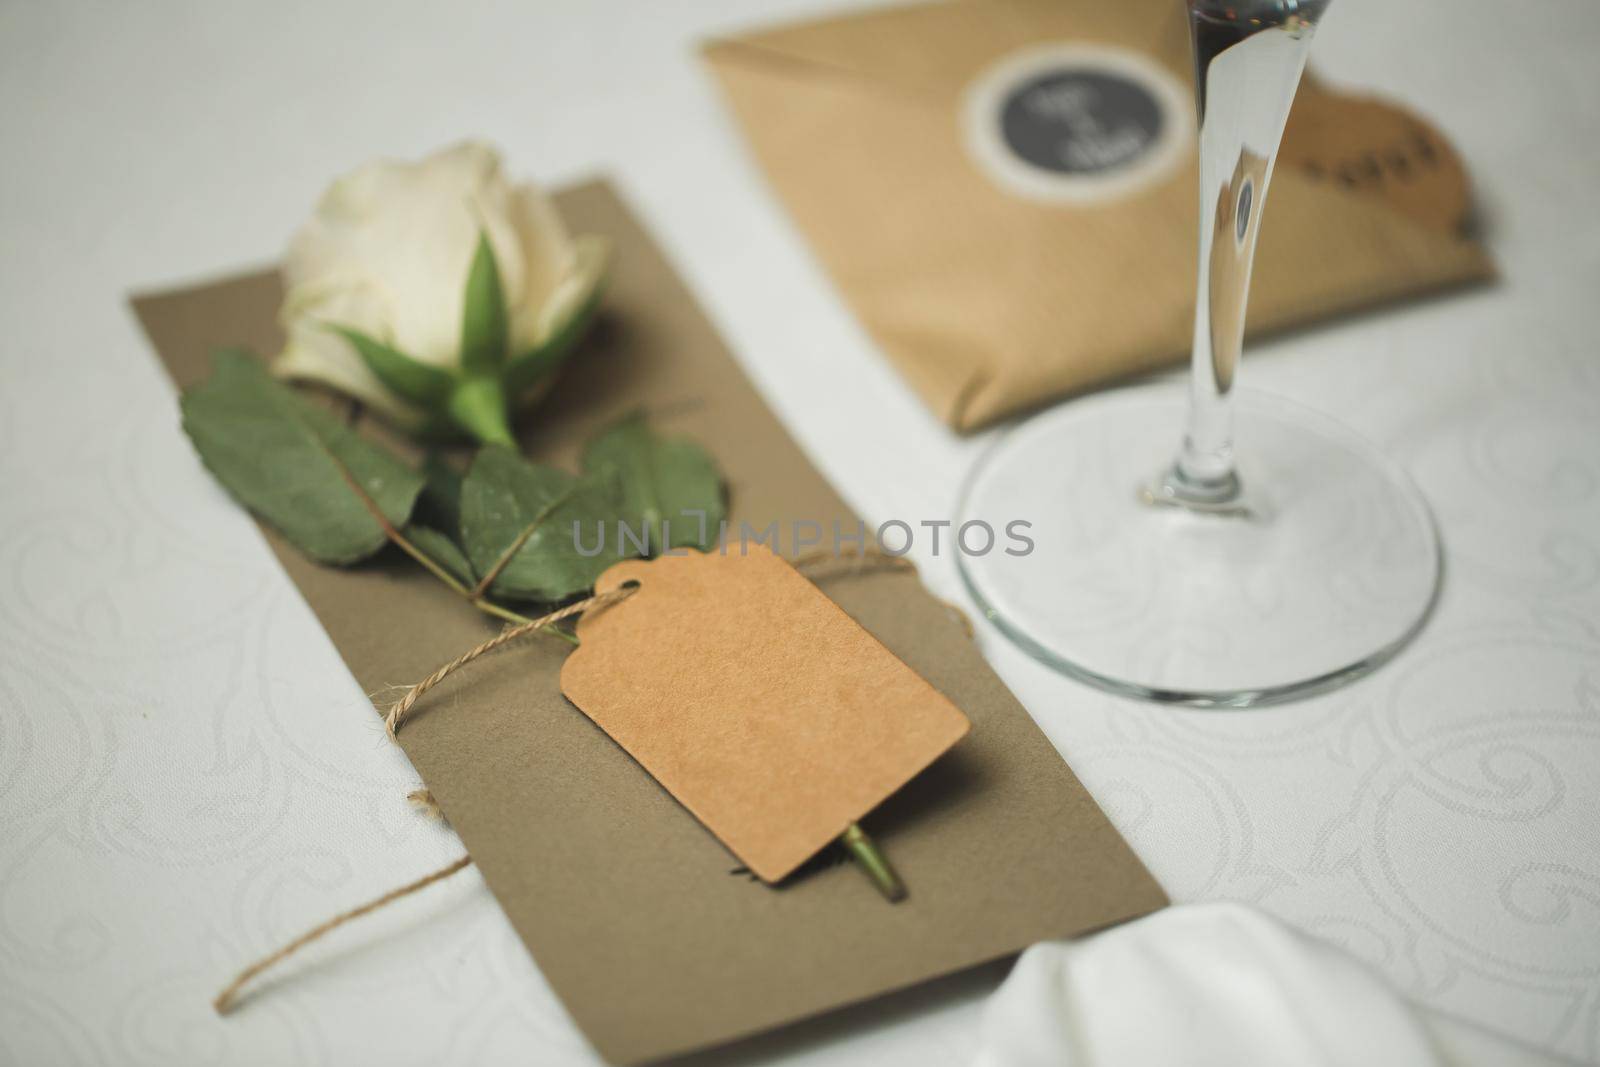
{"points": [[316, 353], [592, 255], [549, 255]]}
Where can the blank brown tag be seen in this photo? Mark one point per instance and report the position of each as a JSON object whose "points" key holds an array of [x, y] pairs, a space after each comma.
{"points": [[754, 700]]}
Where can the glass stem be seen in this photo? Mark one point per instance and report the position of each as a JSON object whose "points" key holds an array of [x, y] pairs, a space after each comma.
{"points": [[1244, 94]]}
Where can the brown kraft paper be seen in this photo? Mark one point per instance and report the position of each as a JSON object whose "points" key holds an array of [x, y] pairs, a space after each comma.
{"points": [[755, 701], [633, 911], [990, 302]]}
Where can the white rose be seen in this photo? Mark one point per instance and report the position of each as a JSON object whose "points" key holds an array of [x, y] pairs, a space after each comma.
{"points": [[387, 254]]}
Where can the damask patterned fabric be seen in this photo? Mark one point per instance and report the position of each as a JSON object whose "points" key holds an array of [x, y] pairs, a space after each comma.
{"points": [[188, 775]]}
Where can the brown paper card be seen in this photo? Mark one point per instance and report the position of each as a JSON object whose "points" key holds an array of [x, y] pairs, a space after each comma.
{"points": [[990, 302], [767, 711], [627, 903]]}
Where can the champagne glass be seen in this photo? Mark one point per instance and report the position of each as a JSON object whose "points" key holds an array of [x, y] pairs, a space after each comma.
{"points": [[1205, 578]]}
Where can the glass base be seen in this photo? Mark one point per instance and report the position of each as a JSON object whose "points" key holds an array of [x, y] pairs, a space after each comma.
{"points": [[1321, 571]]}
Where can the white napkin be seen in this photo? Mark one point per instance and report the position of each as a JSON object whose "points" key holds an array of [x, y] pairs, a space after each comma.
{"points": [[1223, 985]]}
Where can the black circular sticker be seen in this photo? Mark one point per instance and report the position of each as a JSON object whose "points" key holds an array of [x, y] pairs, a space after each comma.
{"points": [[1080, 121]]}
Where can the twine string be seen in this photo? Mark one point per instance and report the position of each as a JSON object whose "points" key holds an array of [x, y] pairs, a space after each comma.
{"points": [[808, 562], [227, 999], [403, 706]]}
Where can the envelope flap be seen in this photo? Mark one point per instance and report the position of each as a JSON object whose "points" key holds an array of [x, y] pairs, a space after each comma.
{"points": [[933, 52], [936, 49]]}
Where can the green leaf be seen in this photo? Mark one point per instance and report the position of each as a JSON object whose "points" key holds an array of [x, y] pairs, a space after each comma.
{"points": [[440, 503], [422, 384], [517, 523], [446, 553], [659, 480], [306, 473], [484, 332]]}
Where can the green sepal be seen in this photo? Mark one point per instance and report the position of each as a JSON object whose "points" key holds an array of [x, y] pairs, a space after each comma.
{"points": [[420, 383], [478, 406], [484, 329]]}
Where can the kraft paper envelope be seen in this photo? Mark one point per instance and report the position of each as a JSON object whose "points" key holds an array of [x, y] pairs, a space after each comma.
{"points": [[992, 293], [633, 911]]}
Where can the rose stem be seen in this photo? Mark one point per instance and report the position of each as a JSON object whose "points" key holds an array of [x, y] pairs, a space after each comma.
{"points": [[474, 598], [432, 566], [873, 862]]}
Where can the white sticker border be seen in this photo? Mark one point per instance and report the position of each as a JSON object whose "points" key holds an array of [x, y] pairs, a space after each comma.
{"points": [[985, 139]]}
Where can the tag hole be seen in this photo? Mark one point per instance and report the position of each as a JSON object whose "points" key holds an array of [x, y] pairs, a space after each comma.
{"points": [[631, 583]]}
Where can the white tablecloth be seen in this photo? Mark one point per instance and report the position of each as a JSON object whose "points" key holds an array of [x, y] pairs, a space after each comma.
{"points": [[188, 775]]}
